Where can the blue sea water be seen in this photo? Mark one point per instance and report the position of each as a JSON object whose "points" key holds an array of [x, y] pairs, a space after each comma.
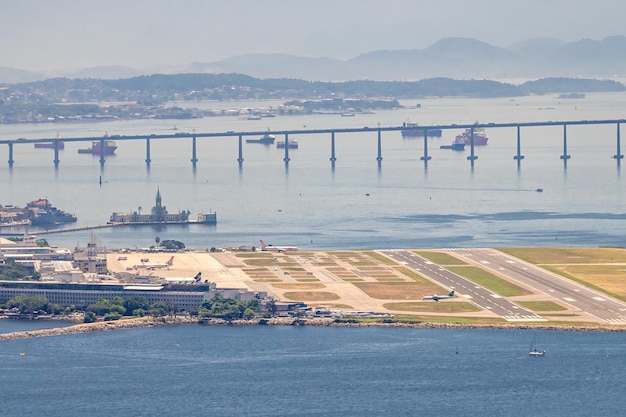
{"points": [[192, 370]]}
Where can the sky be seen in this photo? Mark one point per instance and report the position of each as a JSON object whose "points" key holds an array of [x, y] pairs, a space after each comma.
{"points": [[47, 35]]}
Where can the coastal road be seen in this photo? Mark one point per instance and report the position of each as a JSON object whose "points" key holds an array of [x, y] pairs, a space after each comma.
{"points": [[480, 296], [578, 296]]}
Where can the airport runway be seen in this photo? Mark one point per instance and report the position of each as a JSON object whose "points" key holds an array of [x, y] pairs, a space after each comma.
{"points": [[566, 291], [480, 296]]}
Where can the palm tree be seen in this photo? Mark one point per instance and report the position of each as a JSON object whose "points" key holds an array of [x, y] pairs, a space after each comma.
{"points": [[157, 240]]}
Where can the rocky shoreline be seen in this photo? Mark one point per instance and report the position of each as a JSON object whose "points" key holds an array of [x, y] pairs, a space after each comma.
{"points": [[325, 322]]}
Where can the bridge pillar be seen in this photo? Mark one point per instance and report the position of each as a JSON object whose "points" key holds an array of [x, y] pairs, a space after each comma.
{"points": [[565, 156], [380, 151], [472, 157], [194, 156], [148, 160], [286, 158], [240, 158], [56, 153], [618, 156], [425, 158], [102, 160], [519, 155], [332, 147], [10, 155]]}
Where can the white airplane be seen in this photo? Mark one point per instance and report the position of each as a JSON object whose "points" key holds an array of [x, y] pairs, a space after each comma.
{"points": [[272, 248], [436, 297], [146, 265]]}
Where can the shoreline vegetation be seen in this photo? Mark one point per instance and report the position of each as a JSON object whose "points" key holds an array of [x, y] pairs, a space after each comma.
{"points": [[285, 321]]}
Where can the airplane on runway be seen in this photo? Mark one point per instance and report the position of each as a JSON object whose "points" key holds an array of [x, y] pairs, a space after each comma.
{"points": [[272, 248], [150, 266], [436, 297]]}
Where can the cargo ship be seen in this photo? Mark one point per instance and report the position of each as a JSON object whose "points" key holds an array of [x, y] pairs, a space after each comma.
{"points": [[57, 142], [95, 149], [480, 136], [50, 145], [413, 130]]}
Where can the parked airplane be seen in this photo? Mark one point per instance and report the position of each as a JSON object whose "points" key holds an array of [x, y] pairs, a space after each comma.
{"points": [[272, 248], [146, 265], [436, 297]]}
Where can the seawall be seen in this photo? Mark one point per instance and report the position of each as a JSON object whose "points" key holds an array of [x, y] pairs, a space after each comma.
{"points": [[326, 322]]}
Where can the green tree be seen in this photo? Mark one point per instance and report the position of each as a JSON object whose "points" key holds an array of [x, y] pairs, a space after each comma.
{"points": [[90, 317], [112, 316], [172, 245], [28, 304], [135, 303], [158, 309], [13, 271]]}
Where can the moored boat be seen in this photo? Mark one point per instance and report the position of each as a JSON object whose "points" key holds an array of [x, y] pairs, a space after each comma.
{"points": [[43, 213], [413, 130]]}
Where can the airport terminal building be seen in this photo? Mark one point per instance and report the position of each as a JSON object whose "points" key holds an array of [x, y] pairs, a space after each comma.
{"points": [[181, 297]]}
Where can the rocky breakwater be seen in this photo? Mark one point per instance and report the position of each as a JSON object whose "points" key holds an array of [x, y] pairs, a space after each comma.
{"points": [[97, 327]]}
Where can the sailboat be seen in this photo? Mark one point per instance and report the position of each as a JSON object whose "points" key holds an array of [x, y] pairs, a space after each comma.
{"points": [[536, 352]]}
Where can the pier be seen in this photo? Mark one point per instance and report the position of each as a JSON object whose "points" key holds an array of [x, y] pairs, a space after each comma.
{"points": [[333, 133]]}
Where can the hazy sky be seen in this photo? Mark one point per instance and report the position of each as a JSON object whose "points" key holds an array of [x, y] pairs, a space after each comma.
{"points": [[43, 35]]}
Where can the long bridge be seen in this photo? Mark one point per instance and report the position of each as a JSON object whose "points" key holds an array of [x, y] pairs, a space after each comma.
{"points": [[54, 143]]}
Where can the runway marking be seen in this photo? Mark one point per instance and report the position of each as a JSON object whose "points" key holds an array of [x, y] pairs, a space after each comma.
{"points": [[495, 296], [510, 262], [599, 298], [569, 299], [485, 262]]}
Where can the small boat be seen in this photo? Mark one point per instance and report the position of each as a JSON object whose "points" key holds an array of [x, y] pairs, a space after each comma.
{"points": [[536, 352], [539, 190], [266, 139], [291, 144], [458, 144], [109, 148]]}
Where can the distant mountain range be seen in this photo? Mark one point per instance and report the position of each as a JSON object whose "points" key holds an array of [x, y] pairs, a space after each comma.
{"points": [[460, 58]]}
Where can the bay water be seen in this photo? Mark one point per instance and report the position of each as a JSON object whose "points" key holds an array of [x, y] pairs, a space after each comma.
{"points": [[358, 203], [400, 203], [192, 370]]}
